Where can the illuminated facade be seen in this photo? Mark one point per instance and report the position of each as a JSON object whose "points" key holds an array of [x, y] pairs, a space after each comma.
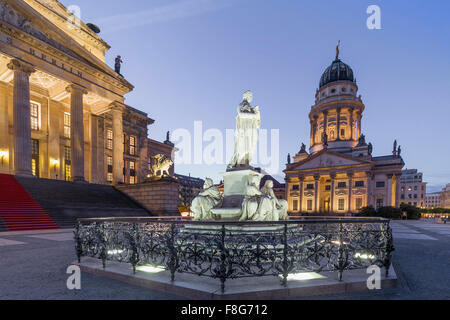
{"points": [[339, 174], [62, 109]]}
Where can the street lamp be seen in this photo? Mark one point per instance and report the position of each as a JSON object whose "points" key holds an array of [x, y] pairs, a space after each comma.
{"points": [[3, 155], [55, 163]]}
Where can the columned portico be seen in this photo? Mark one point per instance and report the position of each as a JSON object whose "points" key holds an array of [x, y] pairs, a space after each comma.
{"points": [[117, 109], [77, 130], [21, 116]]}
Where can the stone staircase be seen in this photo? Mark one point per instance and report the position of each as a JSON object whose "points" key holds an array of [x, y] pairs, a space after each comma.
{"points": [[18, 210], [67, 201]]}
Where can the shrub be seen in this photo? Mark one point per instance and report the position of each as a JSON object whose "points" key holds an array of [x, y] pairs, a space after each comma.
{"points": [[389, 212], [367, 212], [412, 211]]}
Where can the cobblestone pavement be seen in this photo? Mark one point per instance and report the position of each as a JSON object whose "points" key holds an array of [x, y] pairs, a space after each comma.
{"points": [[33, 266]]}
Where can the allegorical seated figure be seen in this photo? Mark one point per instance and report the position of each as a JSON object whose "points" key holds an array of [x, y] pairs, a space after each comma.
{"points": [[251, 200], [209, 198], [277, 210]]}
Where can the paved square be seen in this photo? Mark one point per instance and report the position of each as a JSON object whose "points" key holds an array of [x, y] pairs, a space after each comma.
{"points": [[55, 236], [6, 242]]}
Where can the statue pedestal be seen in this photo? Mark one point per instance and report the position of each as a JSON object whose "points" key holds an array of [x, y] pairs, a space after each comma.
{"points": [[235, 188]]}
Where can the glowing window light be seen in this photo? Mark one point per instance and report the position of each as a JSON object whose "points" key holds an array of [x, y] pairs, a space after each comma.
{"points": [[114, 252], [338, 243], [303, 276], [364, 256], [150, 269]]}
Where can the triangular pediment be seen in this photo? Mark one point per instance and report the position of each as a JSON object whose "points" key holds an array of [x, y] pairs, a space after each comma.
{"points": [[22, 16], [327, 159]]}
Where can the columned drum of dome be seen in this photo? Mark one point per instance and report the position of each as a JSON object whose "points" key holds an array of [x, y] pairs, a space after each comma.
{"points": [[337, 111]]}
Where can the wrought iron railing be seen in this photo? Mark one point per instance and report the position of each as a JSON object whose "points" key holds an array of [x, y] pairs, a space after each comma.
{"points": [[231, 250]]}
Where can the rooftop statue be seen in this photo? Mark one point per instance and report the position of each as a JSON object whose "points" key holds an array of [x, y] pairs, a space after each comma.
{"points": [[248, 122], [118, 64], [161, 166]]}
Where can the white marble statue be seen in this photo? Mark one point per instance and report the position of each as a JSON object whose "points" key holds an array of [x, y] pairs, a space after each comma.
{"points": [[252, 198], [248, 121], [279, 207], [209, 198]]}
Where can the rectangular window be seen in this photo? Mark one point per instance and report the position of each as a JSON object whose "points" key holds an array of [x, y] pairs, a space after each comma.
{"points": [[132, 145], [35, 113], [67, 125], [109, 171], [295, 205], [380, 203], [341, 204], [133, 179], [358, 203], [310, 186], [342, 185], [295, 187], [309, 205], [109, 139], [359, 184], [67, 164], [327, 188], [380, 184]]}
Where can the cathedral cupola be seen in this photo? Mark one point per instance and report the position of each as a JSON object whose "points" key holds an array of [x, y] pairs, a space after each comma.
{"points": [[335, 117]]}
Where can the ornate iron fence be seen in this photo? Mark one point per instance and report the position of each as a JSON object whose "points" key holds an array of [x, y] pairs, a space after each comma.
{"points": [[231, 250]]}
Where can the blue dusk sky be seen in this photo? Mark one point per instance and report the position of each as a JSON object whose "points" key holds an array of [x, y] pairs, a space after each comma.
{"points": [[192, 60]]}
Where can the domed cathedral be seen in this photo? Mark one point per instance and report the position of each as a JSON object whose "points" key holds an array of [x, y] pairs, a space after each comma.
{"points": [[339, 175]]}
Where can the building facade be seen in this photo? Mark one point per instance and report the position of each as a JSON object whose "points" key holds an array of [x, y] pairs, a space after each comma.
{"points": [[413, 189], [433, 200], [339, 174], [445, 197], [62, 109]]}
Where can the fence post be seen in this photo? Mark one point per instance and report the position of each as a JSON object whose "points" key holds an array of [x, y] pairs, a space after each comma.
{"points": [[340, 253], [134, 239], [172, 263], [223, 257], [79, 244], [285, 256]]}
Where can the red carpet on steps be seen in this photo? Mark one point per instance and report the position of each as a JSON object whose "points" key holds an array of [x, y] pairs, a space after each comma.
{"points": [[18, 210]]}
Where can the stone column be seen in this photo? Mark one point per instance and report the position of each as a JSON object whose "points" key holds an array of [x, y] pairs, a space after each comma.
{"points": [[350, 186], [77, 131], [325, 122], [117, 110], [333, 176], [316, 193], [312, 133], [369, 189], [397, 190], [359, 125], [301, 178], [94, 149], [315, 130], [389, 190], [351, 125], [21, 116], [338, 124]]}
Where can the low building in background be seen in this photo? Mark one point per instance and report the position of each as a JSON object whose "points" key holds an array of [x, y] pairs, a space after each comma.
{"points": [[412, 188], [445, 197], [188, 189], [433, 200]]}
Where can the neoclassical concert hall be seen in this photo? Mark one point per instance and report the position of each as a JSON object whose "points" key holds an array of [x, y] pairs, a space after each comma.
{"points": [[62, 109], [339, 174]]}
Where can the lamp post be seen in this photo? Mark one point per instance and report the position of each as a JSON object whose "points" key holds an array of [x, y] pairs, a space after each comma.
{"points": [[3, 154], [55, 163]]}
